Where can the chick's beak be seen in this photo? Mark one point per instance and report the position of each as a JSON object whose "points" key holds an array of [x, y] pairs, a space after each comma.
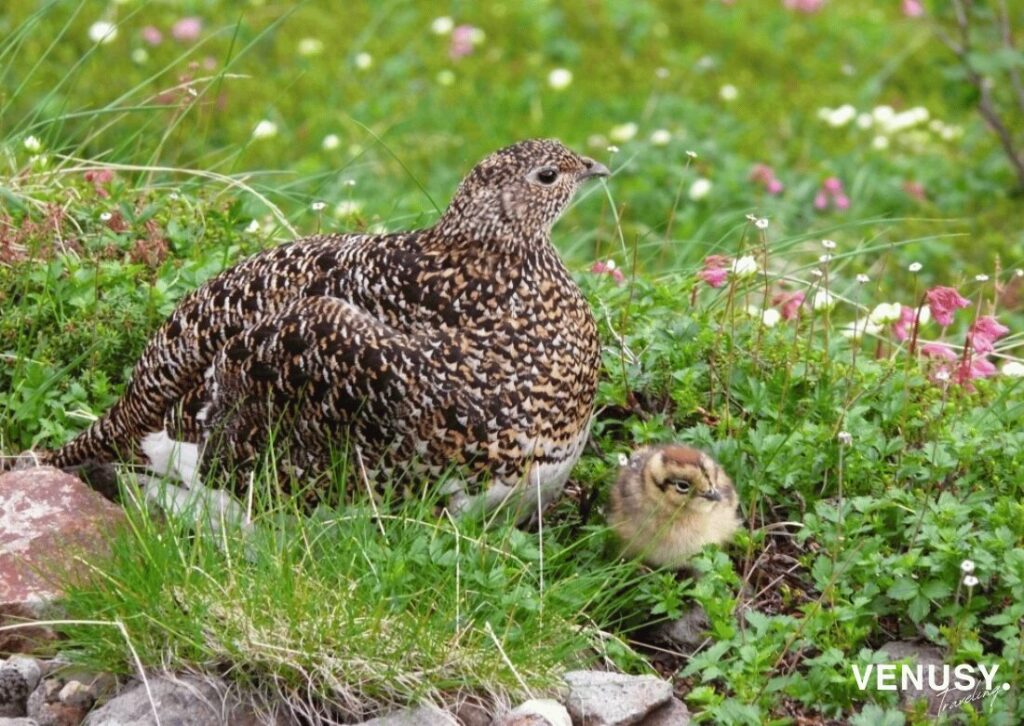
{"points": [[712, 495], [593, 168]]}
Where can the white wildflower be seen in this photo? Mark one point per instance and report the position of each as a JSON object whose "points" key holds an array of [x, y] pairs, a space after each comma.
{"points": [[442, 25], [864, 121], [691, 154], [880, 143], [660, 137], [102, 32], [942, 376], [623, 459], [347, 208], [761, 223], [318, 206], [560, 78], [330, 142], [823, 300], [862, 278], [253, 227], [857, 330], [770, 317], [828, 244], [981, 278], [700, 189], [967, 567], [1013, 369], [914, 267], [745, 266], [825, 259], [623, 132], [613, 149], [661, 72], [106, 217], [970, 581], [845, 438], [363, 60], [884, 313], [311, 46], [265, 129], [140, 56], [32, 144], [728, 92]]}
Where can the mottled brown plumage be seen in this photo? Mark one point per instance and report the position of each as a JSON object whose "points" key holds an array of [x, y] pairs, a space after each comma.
{"points": [[668, 502], [466, 344]]}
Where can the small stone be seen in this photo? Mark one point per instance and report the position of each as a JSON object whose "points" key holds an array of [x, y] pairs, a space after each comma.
{"points": [[76, 693], [673, 713], [19, 676], [44, 706], [924, 655], [536, 712], [186, 700], [473, 711], [598, 698], [419, 716], [686, 632]]}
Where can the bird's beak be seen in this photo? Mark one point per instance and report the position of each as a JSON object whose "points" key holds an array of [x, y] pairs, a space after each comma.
{"points": [[594, 168], [712, 495]]}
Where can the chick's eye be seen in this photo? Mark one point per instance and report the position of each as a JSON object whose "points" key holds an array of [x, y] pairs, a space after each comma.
{"points": [[547, 176], [682, 485]]}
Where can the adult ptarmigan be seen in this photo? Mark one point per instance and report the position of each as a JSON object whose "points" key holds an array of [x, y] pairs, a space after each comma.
{"points": [[465, 346]]}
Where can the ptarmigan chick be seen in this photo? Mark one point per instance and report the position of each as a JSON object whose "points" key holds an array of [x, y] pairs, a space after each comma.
{"points": [[668, 502], [462, 346]]}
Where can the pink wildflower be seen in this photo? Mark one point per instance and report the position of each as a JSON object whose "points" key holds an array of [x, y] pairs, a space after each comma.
{"points": [[912, 8], [804, 6], [915, 190], [831, 190], [789, 303], [716, 270], [187, 29], [985, 332], [152, 35], [975, 367], [765, 176], [901, 328], [938, 350], [462, 41], [99, 178], [944, 302], [608, 268]]}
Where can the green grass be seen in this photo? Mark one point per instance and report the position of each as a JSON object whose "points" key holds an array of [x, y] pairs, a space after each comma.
{"points": [[356, 610], [359, 610]]}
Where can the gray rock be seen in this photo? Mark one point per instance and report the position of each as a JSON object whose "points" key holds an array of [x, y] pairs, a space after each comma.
{"points": [[597, 698], [536, 712], [18, 678], [18, 722], [686, 632], [419, 716], [45, 707], [673, 713], [182, 701], [924, 655]]}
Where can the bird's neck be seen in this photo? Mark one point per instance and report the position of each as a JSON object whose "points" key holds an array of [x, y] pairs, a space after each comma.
{"points": [[454, 242]]}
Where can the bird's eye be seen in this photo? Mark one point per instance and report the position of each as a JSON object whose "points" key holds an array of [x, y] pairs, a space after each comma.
{"points": [[682, 485], [547, 175]]}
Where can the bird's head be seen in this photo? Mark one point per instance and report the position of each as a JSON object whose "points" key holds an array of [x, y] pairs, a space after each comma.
{"points": [[687, 479], [520, 190]]}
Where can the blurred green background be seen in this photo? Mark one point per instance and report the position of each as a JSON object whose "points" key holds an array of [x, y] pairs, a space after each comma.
{"points": [[379, 108]]}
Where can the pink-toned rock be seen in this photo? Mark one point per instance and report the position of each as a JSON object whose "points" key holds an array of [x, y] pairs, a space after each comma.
{"points": [[47, 518]]}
